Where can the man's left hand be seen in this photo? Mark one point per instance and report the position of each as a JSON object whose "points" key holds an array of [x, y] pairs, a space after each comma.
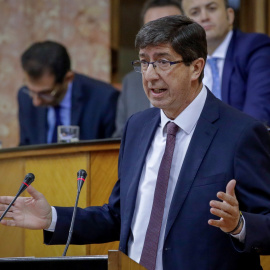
{"points": [[227, 209]]}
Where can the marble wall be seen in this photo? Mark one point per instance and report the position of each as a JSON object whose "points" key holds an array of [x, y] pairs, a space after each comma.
{"points": [[83, 26]]}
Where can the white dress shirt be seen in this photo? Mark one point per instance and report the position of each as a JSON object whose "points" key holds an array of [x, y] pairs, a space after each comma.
{"points": [[219, 53], [187, 121]]}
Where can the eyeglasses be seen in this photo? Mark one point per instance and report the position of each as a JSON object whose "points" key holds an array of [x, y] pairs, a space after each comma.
{"points": [[47, 95], [142, 66]]}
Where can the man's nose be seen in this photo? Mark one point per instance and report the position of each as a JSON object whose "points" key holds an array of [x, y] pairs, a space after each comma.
{"points": [[204, 15], [151, 73], [37, 101]]}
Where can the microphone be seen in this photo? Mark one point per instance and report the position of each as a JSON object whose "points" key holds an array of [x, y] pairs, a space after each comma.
{"points": [[81, 175], [28, 180]]}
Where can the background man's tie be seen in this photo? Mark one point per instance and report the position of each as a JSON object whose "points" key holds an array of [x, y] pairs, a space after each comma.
{"points": [[216, 90], [149, 252]]}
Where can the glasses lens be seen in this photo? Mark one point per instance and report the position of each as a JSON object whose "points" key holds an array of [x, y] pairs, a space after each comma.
{"points": [[137, 65], [163, 64], [47, 96]]}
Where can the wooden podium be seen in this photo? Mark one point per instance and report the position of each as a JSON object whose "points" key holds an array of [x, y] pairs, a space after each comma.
{"points": [[55, 167], [115, 260]]}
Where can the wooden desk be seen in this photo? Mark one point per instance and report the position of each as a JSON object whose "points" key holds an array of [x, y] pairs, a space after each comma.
{"points": [[55, 168]]}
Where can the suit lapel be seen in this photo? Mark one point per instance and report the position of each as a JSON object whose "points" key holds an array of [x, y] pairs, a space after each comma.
{"points": [[42, 125], [142, 146], [199, 144], [227, 70], [77, 101]]}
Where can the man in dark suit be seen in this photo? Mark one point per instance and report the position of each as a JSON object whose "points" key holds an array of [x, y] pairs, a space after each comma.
{"points": [[214, 144], [132, 98], [242, 59], [55, 95]]}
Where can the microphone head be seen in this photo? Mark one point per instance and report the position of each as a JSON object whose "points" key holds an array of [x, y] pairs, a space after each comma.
{"points": [[81, 175], [29, 179]]}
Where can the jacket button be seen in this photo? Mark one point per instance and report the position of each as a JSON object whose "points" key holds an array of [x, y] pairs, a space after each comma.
{"points": [[255, 249]]}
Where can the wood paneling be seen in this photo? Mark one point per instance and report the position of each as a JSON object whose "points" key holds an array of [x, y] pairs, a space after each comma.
{"points": [[12, 174], [254, 16], [103, 170], [120, 261], [56, 178], [55, 169]]}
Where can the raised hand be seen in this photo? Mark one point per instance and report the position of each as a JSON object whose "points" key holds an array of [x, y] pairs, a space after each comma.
{"points": [[27, 212], [227, 210]]}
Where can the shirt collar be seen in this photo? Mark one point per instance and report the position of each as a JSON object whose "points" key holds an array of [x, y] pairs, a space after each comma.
{"points": [[188, 118], [67, 98], [221, 50]]}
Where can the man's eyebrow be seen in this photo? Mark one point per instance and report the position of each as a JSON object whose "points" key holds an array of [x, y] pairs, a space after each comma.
{"points": [[207, 5], [156, 54]]}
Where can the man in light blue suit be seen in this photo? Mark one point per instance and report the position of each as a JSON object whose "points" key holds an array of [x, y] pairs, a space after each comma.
{"points": [[242, 59], [56, 95], [216, 212]]}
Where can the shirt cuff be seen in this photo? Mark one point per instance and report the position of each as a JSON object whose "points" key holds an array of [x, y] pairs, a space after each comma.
{"points": [[54, 220], [242, 235]]}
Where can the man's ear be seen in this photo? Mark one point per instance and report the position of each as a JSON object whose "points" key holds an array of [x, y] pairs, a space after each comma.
{"points": [[230, 16], [197, 68], [69, 76]]}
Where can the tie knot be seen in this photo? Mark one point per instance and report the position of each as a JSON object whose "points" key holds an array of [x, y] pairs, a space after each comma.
{"points": [[172, 128], [56, 108], [212, 61]]}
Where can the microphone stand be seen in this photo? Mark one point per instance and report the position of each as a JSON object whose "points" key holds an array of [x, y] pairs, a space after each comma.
{"points": [[81, 175], [72, 224]]}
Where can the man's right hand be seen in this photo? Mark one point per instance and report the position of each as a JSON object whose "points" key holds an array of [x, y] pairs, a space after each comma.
{"points": [[27, 212]]}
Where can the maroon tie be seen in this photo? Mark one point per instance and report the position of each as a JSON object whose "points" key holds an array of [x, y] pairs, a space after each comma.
{"points": [[149, 252]]}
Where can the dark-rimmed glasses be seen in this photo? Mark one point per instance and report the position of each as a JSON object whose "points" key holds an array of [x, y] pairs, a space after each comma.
{"points": [[142, 65], [47, 95]]}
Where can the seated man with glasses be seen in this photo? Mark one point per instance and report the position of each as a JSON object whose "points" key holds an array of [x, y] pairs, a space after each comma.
{"points": [[55, 95]]}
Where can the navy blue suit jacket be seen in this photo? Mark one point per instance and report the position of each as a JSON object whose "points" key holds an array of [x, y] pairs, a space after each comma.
{"points": [[246, 75], [226, 144], [93, 108]]}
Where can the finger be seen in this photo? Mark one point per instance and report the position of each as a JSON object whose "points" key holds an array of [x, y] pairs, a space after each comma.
{"points": [[216, 223], [222, 206], [6, 199], [227, 198], [8, 222], [7, 215], [230, 188], [34, 193], [220, 213]]}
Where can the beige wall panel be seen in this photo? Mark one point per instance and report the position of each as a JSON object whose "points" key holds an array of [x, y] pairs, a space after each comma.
{"points": [[56, 178]]}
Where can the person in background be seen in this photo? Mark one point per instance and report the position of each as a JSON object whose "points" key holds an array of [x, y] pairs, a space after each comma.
{"points": [[132, 97], [55, 95], [237, 67], [194, 173]]}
